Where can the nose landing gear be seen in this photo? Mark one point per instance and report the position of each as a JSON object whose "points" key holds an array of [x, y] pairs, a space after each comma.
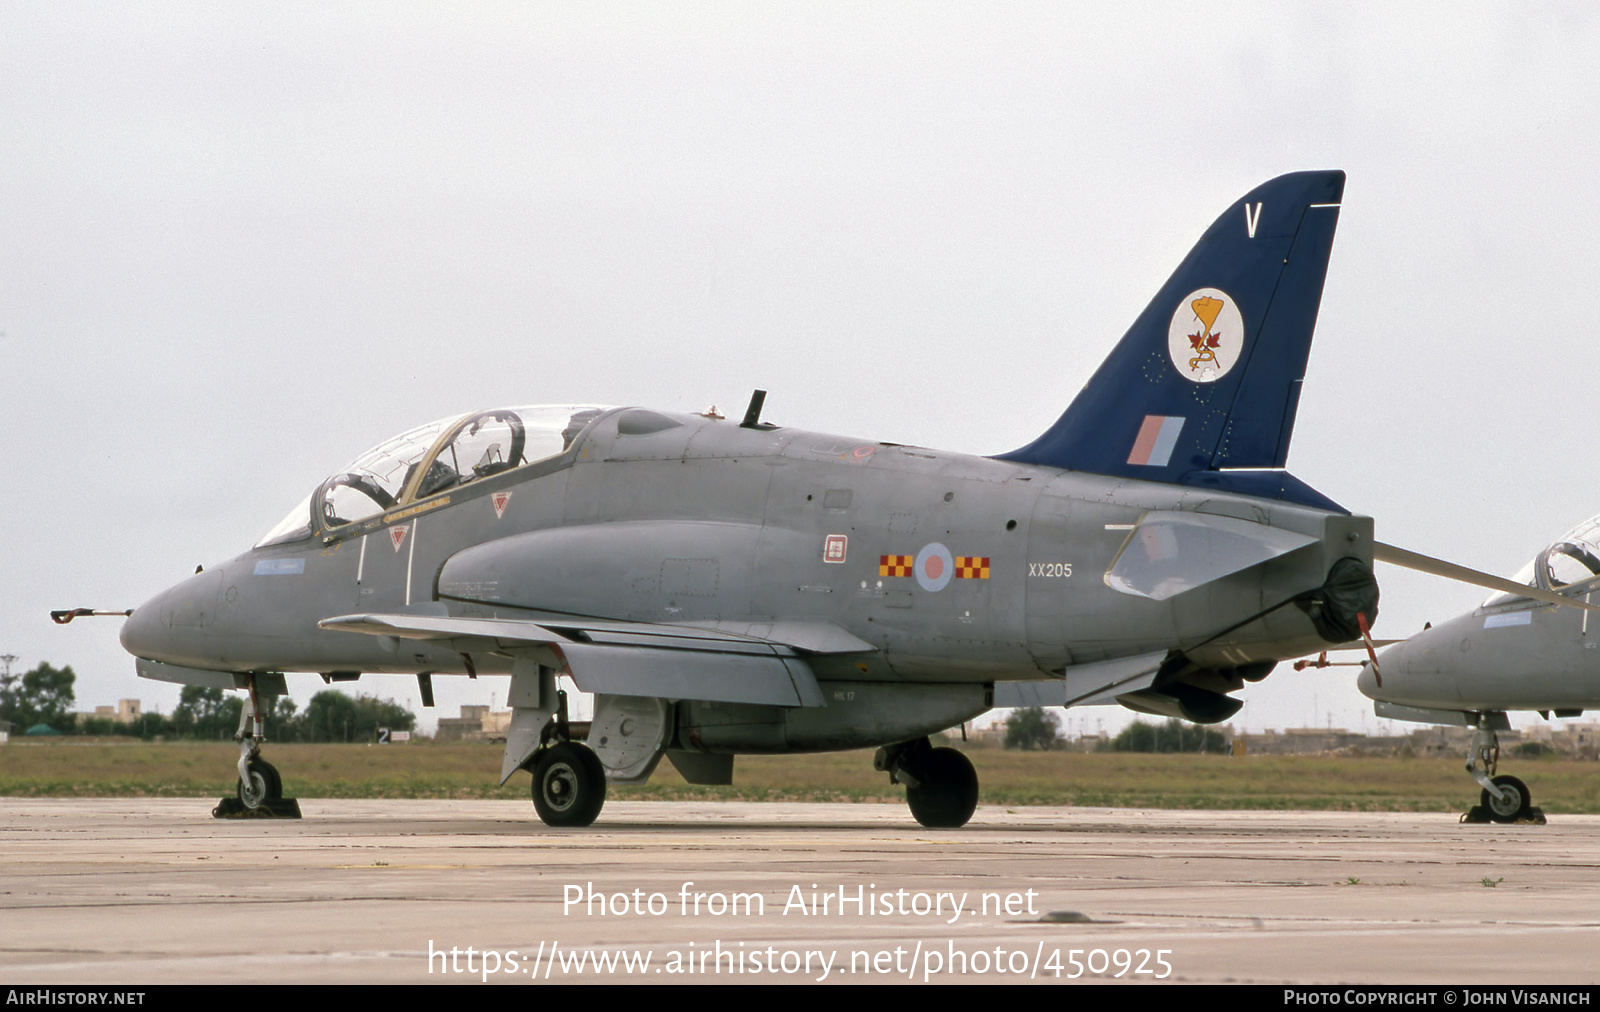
{"points": [[260, 784], [259, 793], [1504, 798]]}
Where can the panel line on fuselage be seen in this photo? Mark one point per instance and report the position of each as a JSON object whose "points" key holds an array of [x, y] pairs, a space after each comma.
{"points": [[411, 557]]}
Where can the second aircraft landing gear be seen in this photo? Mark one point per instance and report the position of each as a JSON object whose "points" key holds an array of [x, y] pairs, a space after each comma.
{"points": [[1504, 798], [941, 785], [569, 783]]}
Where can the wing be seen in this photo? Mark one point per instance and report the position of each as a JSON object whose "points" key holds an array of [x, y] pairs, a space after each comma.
{"points": [[640, 658]]}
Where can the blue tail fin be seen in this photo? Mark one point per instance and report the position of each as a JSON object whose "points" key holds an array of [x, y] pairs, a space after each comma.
{"points": [[1207, 379]]}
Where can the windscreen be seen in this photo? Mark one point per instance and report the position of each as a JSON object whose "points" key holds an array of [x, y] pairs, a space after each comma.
{"points": [[1573, 558], [476, 445]]}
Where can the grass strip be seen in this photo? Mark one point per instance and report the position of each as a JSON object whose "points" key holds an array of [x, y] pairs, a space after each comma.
{"points": [[111, 768]]}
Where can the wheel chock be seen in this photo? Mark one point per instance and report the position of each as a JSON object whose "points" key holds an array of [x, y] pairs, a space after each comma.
{"points": [[1479, 815], [272, 808]]}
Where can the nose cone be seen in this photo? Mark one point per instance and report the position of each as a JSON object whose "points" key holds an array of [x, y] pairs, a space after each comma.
{"points": [[1367, 682], [142, 631], [1398, 678], [172, 626]]}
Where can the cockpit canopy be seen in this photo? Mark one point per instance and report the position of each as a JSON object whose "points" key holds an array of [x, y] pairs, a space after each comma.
{"points": [[1571, 560], [431, 459]]}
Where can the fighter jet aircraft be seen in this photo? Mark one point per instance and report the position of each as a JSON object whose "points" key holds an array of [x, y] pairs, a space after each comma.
{"points": [[1513, 652], [729, 587]]}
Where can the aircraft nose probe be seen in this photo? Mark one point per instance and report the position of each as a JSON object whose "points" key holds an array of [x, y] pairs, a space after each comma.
{"points": [[67, 615]]}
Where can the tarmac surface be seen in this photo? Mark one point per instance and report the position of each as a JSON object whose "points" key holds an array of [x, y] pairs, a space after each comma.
{"points": [[123, 892]]}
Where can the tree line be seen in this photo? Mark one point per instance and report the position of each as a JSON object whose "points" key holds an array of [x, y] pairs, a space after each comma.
{"points": [[1034, 727], [45, 696], [41, 696]]}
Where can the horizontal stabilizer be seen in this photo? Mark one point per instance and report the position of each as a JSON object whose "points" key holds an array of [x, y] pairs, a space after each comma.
{"points": [[1450, 571], [1169, 553], [1360, 645]]}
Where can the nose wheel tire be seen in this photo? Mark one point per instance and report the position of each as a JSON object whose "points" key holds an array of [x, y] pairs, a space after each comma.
{"points": [[946, 794], [263, 785], [1515, 803], [569, 785]]}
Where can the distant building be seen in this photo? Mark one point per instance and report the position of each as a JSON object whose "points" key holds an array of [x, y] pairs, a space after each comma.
{"points": [[127, 711], [1581, 740], [1297, 741], [1430, 740], [476, 723], [993, 736]]}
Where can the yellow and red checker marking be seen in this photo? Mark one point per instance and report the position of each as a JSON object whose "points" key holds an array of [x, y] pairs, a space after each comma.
{"points": [[972, 567], [895, 565], [968, 567]]}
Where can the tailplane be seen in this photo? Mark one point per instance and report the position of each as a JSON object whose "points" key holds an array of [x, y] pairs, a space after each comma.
{"points": [[1202, 390]]}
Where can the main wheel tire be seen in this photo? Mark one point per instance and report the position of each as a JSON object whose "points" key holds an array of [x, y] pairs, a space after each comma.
{"points": [[947, 791], [264, 785], [569, 785], [1514, 806]]}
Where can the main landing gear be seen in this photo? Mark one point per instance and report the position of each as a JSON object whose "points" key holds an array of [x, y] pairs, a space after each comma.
{"points": [[941, 785], [569, 783], [1504, 798], [259, 793]]}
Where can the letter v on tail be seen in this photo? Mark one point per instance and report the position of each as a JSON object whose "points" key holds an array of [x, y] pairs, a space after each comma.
{"points": [[1203, 388]]}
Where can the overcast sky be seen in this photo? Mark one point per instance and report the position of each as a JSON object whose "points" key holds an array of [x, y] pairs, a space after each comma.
{"points": [[243, 243]]}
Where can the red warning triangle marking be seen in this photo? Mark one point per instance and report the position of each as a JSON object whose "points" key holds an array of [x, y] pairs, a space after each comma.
{"points": [[397, 534], [500, 499]]}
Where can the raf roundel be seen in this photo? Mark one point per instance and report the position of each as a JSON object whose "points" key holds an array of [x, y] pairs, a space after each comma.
{"points": [[934, 567], [1206, 335]]}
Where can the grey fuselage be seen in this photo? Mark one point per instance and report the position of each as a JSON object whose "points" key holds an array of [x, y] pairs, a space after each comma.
{"points": [[789, 536], [1519, 655]]}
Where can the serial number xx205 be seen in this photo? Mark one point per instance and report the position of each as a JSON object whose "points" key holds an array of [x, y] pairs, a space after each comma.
{"points": [[1060, 570]]}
